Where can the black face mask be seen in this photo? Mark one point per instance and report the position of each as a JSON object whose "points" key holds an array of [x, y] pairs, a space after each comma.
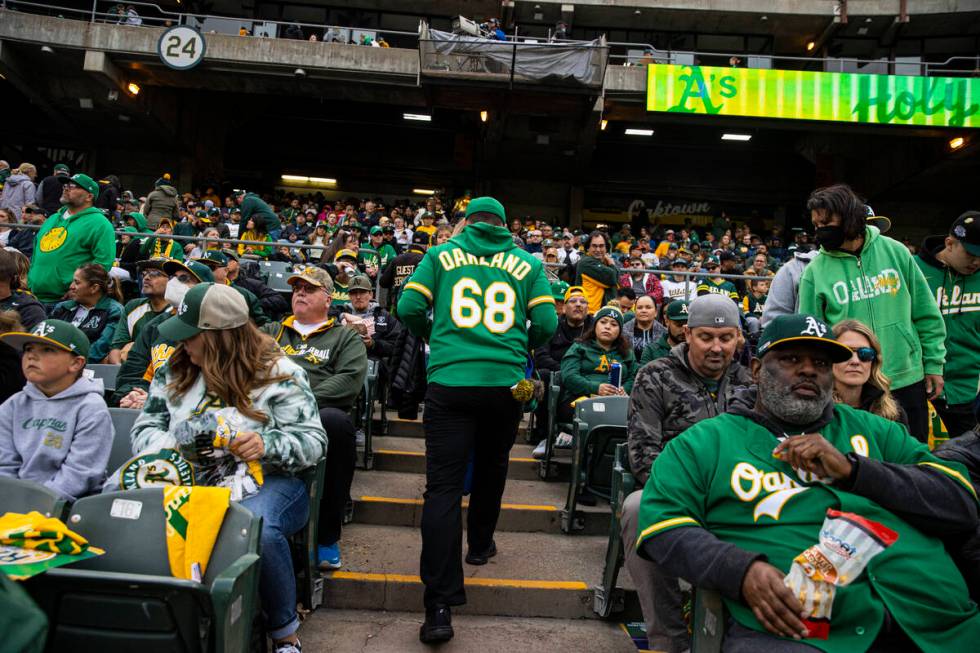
{"points": [[830, 237]]}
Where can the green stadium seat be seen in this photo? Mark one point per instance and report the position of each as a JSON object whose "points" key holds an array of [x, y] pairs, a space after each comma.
{"points": [[371, 392], [547, 469], [277, 281], [309, 583], [600, 424], [122, 445], [270, 267], [23, 626], [107, 373], [608, 598], [710, 621], [21, 496], [127, 599]]}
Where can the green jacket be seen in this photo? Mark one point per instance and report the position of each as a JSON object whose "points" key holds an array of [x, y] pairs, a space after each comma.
{"points": [[598, 280], [586, 366], [136, 314], [155, 247], [883, 288], [63, 245], [333, 356], [482, 290], [958, 298], [655, 350], [254, 206], [720, 475]]}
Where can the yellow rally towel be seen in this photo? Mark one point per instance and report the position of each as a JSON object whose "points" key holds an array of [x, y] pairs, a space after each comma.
{"points": [[194, 516], [35, 531]]}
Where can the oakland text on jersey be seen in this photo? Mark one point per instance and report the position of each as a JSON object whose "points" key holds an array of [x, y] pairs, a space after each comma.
{"points": [[865, 287], [452, 259], [957, 301]]}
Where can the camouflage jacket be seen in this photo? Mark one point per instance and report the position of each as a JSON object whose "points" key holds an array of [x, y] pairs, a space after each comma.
{"points": [[668, 397]]}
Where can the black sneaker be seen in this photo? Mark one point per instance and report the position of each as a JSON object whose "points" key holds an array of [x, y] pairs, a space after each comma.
{"points": [[481, 557], [438, 626]]}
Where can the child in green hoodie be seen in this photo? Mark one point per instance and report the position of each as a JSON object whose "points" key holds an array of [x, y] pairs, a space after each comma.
{"points": [[865, 276]]}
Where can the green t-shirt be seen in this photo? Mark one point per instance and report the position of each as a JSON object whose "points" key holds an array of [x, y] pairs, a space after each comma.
{"points": [[720, 475]]}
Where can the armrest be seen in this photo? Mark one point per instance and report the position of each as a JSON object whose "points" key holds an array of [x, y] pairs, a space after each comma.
{"points": [[234, 594]]}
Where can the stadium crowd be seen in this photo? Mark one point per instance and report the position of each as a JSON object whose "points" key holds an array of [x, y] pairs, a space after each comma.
{"points": [[808, 331]]}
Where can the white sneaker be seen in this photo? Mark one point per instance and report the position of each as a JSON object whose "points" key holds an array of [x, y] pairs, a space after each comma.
{"points": [[289, 647], [539, 450], [563, 441], [360, 438]]}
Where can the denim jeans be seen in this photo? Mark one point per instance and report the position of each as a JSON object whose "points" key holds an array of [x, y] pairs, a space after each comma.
{"points": [[274, 234], [284, 507]]}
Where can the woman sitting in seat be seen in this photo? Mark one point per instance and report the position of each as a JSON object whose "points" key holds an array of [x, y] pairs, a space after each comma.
{"points": [[859, 382], [586, 367], [94, 307], [225, 372]]}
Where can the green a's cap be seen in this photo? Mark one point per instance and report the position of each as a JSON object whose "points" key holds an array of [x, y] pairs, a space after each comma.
{"points": [[61, 167], [214, 211], [83, 181], [558, 290], [375, 231], [880, 221], [488, 205], [711, 262], [345, 253], [806, 329], [200, 214], [359, 282], [51, 332], [610, 311], [966, 229], [213, 259], [235, 210], [155, 263], [200, 271], [677, 310], [206, 307], [230, 254]]}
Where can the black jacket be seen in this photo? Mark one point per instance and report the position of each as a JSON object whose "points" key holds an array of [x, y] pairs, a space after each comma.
{"points": [[398, 270], [548, 357], [49, 195], [408, 381], [273, 303], [30, 309], [386, 332], [966, 550], [108, 195], [12, 378], [23, 241]]}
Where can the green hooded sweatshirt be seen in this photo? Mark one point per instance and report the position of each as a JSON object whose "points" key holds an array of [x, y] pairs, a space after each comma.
{"points": [[255, 207], [64, 243], [586, 366], [482, 290], [958, 298], [884, 288]]}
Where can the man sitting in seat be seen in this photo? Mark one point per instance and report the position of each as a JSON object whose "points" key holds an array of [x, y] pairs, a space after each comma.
{"points": [[335, 359], [56, 431], [140, 311], [734, 499], [695, 381]]}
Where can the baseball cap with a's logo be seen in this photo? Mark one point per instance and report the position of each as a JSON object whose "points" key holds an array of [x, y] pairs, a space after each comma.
{"points": [[206, 307], [677, 310], [788, 329], [313, 275], [55, 333], [966, 229]]}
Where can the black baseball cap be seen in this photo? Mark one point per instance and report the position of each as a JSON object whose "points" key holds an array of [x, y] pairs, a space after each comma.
{"points": [[966, 229], [421, 238]]}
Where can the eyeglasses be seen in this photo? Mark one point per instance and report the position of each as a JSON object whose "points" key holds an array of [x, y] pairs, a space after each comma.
{"points": [[184, 278], [865, 354]]}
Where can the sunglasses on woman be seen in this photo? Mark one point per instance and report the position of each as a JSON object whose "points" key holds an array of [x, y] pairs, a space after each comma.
{"points": [[865, 354]]}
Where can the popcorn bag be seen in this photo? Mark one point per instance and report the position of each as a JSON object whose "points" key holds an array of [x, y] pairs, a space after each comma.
{"points": [[847, 543]]}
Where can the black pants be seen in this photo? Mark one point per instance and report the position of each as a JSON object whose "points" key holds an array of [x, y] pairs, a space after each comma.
{"points": [[341, 460], [913, 399], [958, 418], [460, 421]]}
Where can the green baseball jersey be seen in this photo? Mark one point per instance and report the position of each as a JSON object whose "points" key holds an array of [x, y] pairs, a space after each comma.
{"points": [[136, 314], [753, 306], [723, 287], [482, 290], [720, 475], [958, 298]]}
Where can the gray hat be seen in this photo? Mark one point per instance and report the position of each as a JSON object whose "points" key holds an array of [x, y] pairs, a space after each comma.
{"points": [[713, 311]]}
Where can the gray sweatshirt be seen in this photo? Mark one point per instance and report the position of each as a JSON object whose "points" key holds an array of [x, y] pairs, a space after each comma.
{"points": [[784, 292], [61, 442]]}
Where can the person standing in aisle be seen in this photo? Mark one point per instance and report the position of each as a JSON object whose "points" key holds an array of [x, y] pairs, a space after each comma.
{"points": [[482, 290]]}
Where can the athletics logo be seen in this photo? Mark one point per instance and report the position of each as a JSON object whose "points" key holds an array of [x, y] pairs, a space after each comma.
{"points": [[53, 239], [156, 469], [814, 328], [43, 329]]}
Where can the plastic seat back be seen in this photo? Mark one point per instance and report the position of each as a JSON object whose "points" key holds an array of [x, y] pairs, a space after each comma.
{"points": [[277, 281], [21, 496], [122, 444], [608, 411], [107, 373]]}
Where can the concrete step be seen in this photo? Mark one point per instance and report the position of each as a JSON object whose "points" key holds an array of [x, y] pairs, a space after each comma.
{"points": [[401, 454], [533, 574], [413, 428], [359, 631], [395, 499]]}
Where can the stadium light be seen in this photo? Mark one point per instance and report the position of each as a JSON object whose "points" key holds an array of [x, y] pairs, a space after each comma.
{"points": [[133, 88], [810, 45], [423, 191], [299, 178], [303, 179], [957, 143], [736, 137], [639, 132], [322, 180], [603, 124], [484, 116], [421, 117]]}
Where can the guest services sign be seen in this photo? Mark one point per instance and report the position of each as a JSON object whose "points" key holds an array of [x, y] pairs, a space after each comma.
{"points": [[803, 95]]}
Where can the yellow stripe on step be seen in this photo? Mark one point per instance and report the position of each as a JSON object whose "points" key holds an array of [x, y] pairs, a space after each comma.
{"points": [[418, 502], [472, 582], [396, 452]]}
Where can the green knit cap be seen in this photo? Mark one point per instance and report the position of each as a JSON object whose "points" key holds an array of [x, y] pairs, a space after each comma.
{"points": [[487, 204], [610, 311]]}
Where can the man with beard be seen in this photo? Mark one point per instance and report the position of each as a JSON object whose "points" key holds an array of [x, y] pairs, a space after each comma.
{"points": [[695, 381], [140, 311], [734, 499]]}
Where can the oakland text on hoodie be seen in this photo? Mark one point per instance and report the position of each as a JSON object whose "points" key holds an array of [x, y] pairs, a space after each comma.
{"points": [[66, 242], [482, 289], [884, 288], [958, 298], [61, 442]]}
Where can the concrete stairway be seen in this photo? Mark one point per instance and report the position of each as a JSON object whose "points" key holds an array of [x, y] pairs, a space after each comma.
{"points": [[541, 578]]}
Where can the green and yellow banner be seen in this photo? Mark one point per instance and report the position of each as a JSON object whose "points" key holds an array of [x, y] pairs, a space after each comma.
{"points": [[804, 95]]}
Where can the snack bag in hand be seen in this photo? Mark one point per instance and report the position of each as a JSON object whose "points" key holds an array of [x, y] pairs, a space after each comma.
{"points": [[847, 543]]}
